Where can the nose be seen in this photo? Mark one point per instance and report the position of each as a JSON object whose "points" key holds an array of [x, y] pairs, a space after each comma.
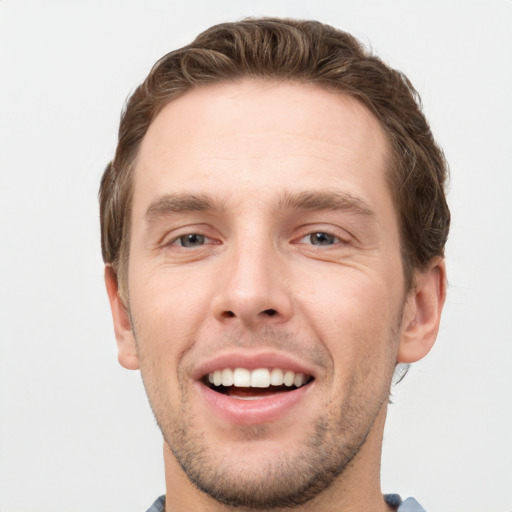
{"points": [[253, 289]]}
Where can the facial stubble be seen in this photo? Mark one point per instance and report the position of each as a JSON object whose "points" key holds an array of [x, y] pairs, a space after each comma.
{"points": [[286, 480]]}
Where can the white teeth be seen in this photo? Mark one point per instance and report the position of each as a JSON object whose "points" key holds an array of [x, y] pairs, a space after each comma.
{"points": [[227, 377], [217, 377], [276, 377], [242, 378], [258, 378], [289, 377], [299, 380]]}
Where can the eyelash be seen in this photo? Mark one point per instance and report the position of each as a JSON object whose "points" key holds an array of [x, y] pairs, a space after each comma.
{"points": [[335, 234], [206, 240], [179, 238]]}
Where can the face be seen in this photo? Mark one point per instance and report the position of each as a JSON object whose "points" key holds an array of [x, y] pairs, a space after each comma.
{"points": [[266, 289]]}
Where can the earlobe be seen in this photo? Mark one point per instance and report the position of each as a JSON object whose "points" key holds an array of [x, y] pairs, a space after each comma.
{"points": [[126, 346], [422, 313]]}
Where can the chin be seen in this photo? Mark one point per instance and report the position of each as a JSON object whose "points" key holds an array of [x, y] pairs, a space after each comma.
{"points": [[261, 472]]}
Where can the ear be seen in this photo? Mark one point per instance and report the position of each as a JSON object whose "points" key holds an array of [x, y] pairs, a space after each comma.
{"points": [[126, 347], [422, 313]]}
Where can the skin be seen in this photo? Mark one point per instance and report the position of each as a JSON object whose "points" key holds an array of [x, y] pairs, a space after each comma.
{"points": [[257, 281]]}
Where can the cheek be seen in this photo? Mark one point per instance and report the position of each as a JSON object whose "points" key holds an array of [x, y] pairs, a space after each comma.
{"points": [[167, 314], [355, 316], [171, 303], [352, 298]]}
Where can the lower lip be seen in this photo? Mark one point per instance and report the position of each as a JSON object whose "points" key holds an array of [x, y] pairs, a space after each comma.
{"points": [[252, 412]]}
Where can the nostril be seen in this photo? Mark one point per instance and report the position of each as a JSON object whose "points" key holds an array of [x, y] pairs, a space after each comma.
{"points": [[228, 314], [270, 312]]}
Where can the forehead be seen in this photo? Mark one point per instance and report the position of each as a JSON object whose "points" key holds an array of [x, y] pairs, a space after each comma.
{"points": [[254, 137]]}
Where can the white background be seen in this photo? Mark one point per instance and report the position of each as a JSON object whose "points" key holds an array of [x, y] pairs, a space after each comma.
{"points": [[76, 433]]}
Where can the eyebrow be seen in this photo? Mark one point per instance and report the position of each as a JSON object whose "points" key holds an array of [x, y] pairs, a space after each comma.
{"points": [[178, 203], [306, 201], [325, 200]]}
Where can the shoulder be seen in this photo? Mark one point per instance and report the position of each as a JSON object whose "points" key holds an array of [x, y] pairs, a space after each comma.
{"points": [[408, 505], [158, 505]]}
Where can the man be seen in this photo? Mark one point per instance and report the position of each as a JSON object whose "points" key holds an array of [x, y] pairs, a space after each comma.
{"points": [[273, 228]]}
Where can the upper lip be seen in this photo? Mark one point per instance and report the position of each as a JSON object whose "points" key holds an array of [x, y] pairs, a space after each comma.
{"points": [[252, 361]]}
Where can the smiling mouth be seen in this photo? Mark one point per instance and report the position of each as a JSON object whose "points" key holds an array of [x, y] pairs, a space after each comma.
{"points": [[245, 384]]}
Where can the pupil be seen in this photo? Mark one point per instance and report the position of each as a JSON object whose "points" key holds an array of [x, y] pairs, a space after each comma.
{"points": [[192, 240], [322, 239]]}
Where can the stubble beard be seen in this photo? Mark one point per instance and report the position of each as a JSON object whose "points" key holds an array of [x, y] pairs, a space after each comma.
{"points": [[289, 479], [286, 481]]}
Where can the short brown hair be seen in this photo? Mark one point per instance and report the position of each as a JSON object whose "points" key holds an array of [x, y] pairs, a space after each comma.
{"points": [[304, 52]]}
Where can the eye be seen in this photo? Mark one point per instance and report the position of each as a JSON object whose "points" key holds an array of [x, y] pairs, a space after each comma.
{"points": [[320, 238], [190, 240]]}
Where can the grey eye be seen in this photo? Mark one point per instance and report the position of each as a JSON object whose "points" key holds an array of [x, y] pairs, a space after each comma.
{"points": [[191, 240], [321, 238]]}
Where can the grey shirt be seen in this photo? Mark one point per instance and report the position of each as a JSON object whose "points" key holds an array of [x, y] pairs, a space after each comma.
{"points": [[394, 500]]}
